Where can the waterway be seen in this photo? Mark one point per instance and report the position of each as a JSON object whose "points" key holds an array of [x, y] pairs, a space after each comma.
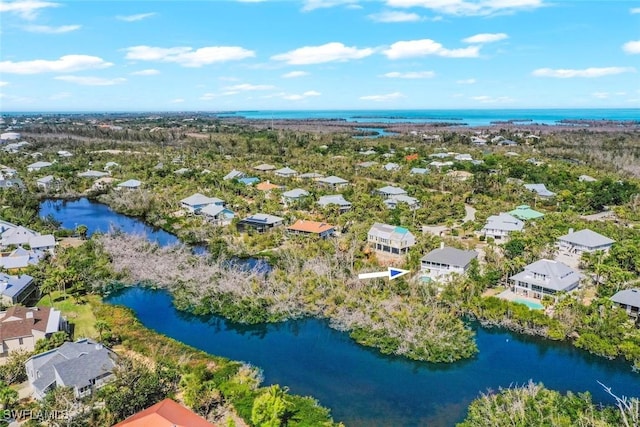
{"points": [[361, 386]]}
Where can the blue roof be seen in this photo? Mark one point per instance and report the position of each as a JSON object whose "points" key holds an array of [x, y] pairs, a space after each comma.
{"points": [[249, 180], [401, 230]]}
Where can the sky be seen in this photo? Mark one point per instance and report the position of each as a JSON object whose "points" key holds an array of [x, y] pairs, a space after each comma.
{"points": [[318, 54]]}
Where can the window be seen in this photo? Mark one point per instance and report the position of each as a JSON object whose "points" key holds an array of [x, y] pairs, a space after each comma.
{"points": [[20, 341]]}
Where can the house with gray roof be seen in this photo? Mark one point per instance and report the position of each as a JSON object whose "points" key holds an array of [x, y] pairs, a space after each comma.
{"points": [[499, 226], [92, 174], [234, 174], [83, 365], [541, 190], [393, 201], [366, 164], [131, 184], [197, 201], [629, 300], [544, 277], [332, 182], [217, 214], [419, 171], [48, 182], [390, 191], [33, 167], [15, 289], [294, 195], [16, 235], [390, 239], [391, 167], [286, 172], [584, 241], [445, 261], [260, 222], [335, 199], [310, 175]]}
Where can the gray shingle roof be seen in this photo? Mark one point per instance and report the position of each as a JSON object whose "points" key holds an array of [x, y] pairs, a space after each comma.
{"points": [[335, 199], [334, 180], [504, 222], [557, 275], [264, 218], [540, 189], [587, 238], [131, 183], [79, 371], [628, 297], [450, 256], [286, 171], [391, 190], [295, 193], [198, 199]]}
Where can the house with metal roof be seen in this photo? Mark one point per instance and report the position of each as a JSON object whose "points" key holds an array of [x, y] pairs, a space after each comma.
{"points": [[544, 277], [390, 239], [629, 300], [445, 261], [92, 174], [294, 195], [584, 241], [540, 189], [286, 172], [217, 214], [15, 289], [48, 182], [332, 182], [393, 201], [83, 365], [525, 213], [499, 226], [314, 228], [335, 199], [310, 175], [131, 184], [265, 167], [260, 222], [21, 327], [166, 413], [33, 167], [234, 174], [390, 191], [197, 201], [249, 180], [391, 167], [419, 171]]}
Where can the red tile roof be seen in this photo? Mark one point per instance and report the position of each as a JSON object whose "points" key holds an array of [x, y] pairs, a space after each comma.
{"points": [[165, 414], [310, 226]]}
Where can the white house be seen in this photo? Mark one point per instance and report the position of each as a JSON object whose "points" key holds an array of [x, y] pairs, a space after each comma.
{"points": [[499, 226], [584, 241], [629, 300], [390, 239], [336, 199], [197, 201], [48, 182], [441, 263], [390, 191], [34, 167], [544, 277], [286, 172]]}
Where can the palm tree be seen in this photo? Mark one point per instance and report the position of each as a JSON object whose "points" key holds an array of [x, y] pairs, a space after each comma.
{"points": [[101, 326], [47, 286]]}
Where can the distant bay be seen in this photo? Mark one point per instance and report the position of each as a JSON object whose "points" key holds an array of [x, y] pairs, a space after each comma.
{"points": [[462, 117]]}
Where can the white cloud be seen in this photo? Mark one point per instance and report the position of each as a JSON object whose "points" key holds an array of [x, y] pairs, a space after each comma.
{"points": [[26, 9], [90, 81], [137, 17], [294, 74], [46, 29], [410, 75], [298, 97], [148, 72], [386, 97], [470, 7], [4, 84], [485, 99], [632, 47], [466, 81], [310, 5], [424, 47], [395, 16], [587, 72], [245, 87], [600, 95], [635, 10], [187, 56], [486, 38], [64, 64], [329, 52]]}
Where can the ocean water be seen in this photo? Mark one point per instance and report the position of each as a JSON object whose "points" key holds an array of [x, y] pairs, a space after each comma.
{"points": [[460, 117]]}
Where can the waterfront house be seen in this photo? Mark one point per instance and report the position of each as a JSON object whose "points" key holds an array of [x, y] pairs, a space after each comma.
{"points": [[102, 183], [393, 201], [541, 190], [92, 174], [390, 191], [584, 241], [441, 263], [314, 228], [390, 239], [197, 201], [48, 182], [15, 289], [264, 167], [234, 174], [131, 184], [336, 199], [295, 195], [83, 365], [165, 413], [260, 222], [286, 172], [22, 327], [333, 182], [629, 300], [499, 226], [217, 214], [525, 213], [544, 277], [34, 167]]}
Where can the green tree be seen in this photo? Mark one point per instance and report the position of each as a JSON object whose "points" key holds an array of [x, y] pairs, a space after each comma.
{"points": [[101, 326], [270, 408], [8, 396]]}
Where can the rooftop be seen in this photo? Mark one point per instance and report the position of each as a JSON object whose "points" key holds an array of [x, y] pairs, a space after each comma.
{"points": [[166, 413], [310, 226]]}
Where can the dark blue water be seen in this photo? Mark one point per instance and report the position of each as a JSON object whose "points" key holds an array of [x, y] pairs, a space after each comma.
{"points": [[379, 132], [474, 117], [364, 388]]}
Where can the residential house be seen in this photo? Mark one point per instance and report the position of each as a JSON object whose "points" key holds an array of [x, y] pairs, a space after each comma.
{"points": [[540, 189], [586, 178], [83, 365], [393, 201], [390, 239], [197, 201], [508, 143], [544, 277], [366, 164], [368, 152], [389, 167], [629, 300], [459, 175], [166, 413], [22, 327], [9, 136], [315, 228], [260, 222], [525, 213], [110, 165], [64, 153], [15, 289], [182, 171], [102, 183], [295, 195], [234, 174], [92, 174], [439, 165], [464, 157], [34, 167], [499, 226], [264, 167], [248, 180], [217, 214], [333, 182], [476, 140], [584, 241], [11, 183], [419, 171], [286, 172], [48, 182], [131, 184], [336, 199], [267, 186], [441, 155], [310, 175], [441, 263], [389, 191]]}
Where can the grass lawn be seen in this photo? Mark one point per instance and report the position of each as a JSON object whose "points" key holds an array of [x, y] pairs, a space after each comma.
{"points": [[80, 314]]}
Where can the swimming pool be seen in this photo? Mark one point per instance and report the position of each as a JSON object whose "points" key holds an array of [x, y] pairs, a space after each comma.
{"points": [[531, 304]]}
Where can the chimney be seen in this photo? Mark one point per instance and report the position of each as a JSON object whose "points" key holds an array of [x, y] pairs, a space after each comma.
{"points": [[571, 231], [441, 245]]}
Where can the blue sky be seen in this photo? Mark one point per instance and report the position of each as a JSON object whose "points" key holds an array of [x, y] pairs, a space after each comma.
{"points": [[318, 54]]}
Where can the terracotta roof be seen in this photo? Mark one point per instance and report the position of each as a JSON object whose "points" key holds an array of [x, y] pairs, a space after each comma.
{"points": [[15, 324], [165, 414], [266, 186], [310, 226]]}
